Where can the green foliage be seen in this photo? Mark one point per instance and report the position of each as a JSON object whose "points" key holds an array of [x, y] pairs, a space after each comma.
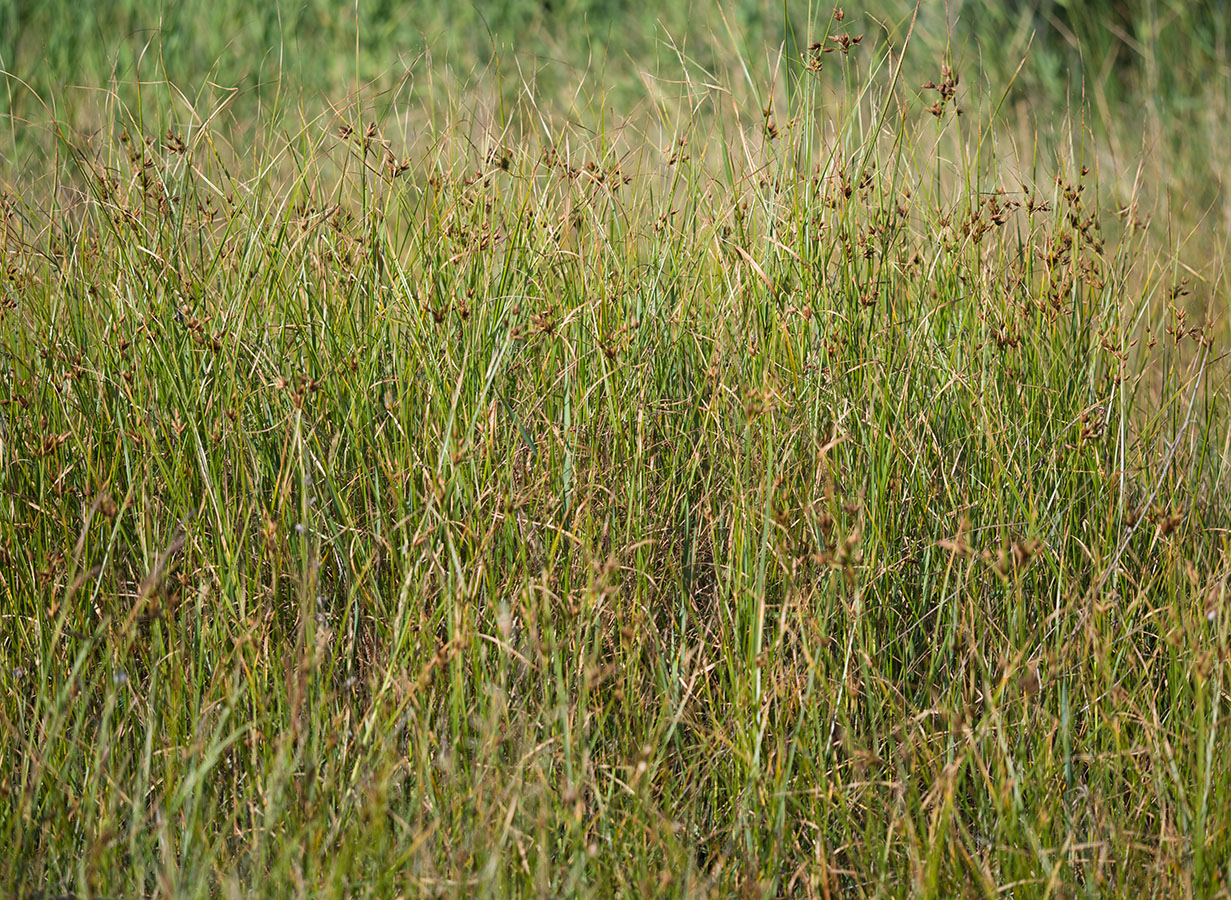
{"points": [[777, 488]]}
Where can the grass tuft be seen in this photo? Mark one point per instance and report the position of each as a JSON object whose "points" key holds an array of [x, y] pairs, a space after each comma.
{"points": [[797, 483]]}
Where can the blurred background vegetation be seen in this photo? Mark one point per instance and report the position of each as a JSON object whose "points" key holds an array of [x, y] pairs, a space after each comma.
{"points": [[1147, 78], [1167, 57]]}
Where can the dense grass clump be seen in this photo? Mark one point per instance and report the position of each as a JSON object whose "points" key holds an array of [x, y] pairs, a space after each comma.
{"points": [[789, 487]]}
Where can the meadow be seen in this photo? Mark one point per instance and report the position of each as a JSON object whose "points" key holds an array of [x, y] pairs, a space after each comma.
{"points": [[558, 449]]}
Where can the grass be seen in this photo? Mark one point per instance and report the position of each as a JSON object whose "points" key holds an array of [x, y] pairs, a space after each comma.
{"points": [[770, 489]]}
